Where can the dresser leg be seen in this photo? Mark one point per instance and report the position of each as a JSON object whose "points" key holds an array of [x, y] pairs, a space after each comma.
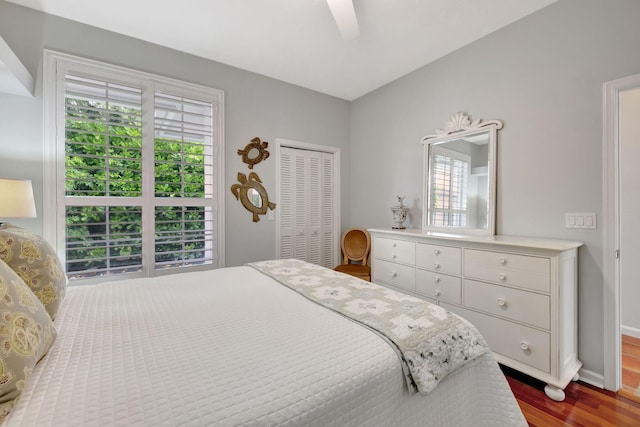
{"points": [[576, 377], [554, 393]]}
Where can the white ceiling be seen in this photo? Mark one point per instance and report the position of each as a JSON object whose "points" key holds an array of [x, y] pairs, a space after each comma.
{"points": [[297, 41]]}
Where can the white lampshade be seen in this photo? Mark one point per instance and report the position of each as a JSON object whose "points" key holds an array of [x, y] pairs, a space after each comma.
{"points": [[16, 198]]}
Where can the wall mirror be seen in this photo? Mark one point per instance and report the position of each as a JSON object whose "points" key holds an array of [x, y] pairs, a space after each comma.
{"points": [[254, 152], [460, 177], [252, 195]]}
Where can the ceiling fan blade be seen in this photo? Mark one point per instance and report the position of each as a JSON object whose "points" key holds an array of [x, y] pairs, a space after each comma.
{"points": [[345, 17]]}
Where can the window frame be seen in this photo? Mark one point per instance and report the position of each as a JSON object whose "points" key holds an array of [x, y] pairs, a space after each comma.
{"points": [[56, 64]]}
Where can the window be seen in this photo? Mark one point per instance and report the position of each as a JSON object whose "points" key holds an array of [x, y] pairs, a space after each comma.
{"points": [[449, 180], [136, 176]]}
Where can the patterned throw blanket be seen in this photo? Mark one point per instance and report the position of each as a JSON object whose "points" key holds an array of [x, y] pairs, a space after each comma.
{"points": [[430, 341]]}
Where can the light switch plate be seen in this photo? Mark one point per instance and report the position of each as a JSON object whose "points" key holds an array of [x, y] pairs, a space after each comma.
{"points": [[581, 220]]}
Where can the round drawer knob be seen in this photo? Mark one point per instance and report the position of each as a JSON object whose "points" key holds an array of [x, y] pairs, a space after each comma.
{"points": [[502, 261], [394, 245], [394, 274], [502, 302], [436, 293], [524, 346], [436, 279], [502, 277], [436, 266], [393, 256], [436, 251]]}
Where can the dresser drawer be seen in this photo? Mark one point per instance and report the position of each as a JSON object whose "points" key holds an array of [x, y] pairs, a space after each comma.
{"points": [[395, 250], [439, 286], [398, 275], [518, 270], [442, 259], [514, 304], [523, 344]]}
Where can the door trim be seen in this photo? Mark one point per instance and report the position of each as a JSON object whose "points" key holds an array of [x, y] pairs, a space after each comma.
{"points": [[611, 226], [335, 151]]}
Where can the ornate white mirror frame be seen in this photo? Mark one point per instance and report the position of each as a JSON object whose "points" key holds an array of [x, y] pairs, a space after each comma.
{"points": [[459, 191]]}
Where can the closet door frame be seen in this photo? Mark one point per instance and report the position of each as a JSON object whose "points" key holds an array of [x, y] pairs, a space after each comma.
{"points": [[335, 152]]}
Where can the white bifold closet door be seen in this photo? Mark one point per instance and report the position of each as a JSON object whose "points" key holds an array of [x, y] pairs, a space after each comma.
{"points": [[307, 206]]}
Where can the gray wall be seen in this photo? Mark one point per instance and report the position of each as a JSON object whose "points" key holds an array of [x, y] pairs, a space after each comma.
{"points": [[254, 106], [542, 76]]}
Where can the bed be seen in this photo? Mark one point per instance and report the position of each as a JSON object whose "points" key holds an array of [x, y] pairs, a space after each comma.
{"points": [[240, 347]]}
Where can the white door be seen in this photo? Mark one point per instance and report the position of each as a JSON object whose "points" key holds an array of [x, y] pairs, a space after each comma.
{"points": [[307, 205]]}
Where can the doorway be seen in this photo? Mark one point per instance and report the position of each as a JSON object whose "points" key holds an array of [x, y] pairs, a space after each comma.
{"points": [[621, 147], [629, 224]]}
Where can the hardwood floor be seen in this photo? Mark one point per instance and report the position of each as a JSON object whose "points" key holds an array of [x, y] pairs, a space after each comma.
{"points": [[584, 405], [630, 367]]}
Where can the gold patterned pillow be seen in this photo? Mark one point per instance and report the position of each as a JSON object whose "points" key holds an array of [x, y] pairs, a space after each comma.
{"points": [[26, 334], [36, 263]]}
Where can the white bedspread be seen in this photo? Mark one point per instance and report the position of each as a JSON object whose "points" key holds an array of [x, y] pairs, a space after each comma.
{"points": [[232, 347]]}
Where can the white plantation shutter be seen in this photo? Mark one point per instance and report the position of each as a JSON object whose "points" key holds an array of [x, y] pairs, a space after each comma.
{"points": [[306, 206], [114, 244], [184, 128], [102, 136], [136, 182], [183, 165], [103, 176]]}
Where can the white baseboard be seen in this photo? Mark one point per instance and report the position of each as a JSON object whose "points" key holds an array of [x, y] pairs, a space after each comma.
{"points": [[593, 378], [628, 330]]}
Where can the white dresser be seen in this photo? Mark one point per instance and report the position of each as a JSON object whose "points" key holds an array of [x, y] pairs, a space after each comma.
{"points": [[521, 293]]}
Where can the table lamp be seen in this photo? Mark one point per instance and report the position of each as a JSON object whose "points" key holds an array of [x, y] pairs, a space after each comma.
{"points": [[16, 199]]}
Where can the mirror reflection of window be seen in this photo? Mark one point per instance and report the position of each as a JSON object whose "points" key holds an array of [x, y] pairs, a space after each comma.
{"points": [[254, 197], [450, 183]]}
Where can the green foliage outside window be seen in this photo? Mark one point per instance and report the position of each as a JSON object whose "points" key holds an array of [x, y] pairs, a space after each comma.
{"points": [[104, 158]]}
